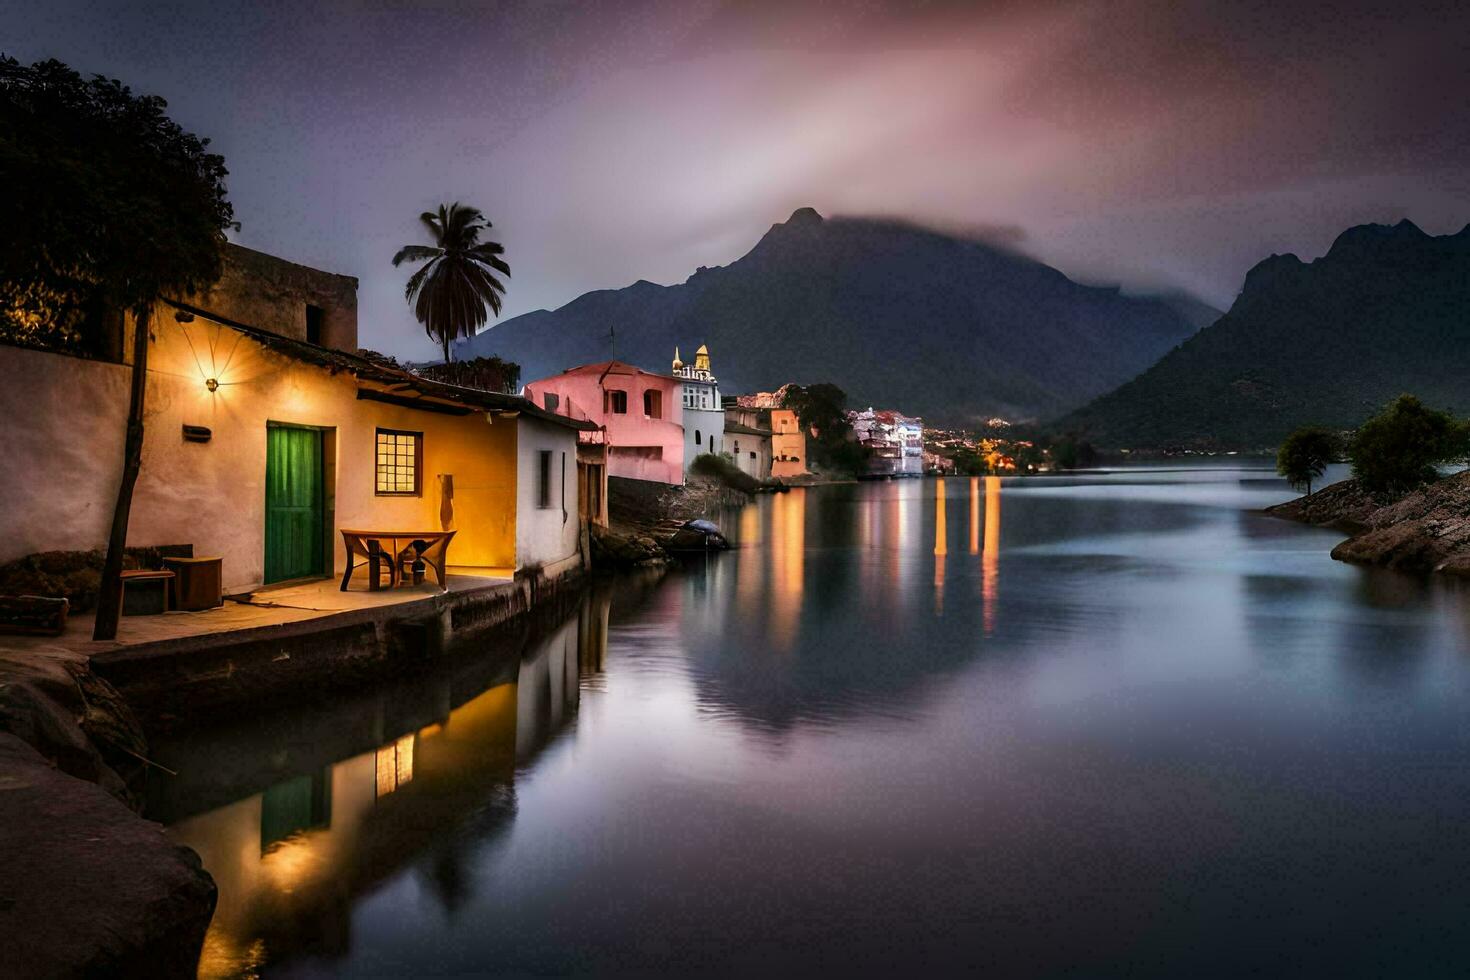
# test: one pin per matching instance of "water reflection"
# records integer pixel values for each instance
(990, 555)
(792, 759)
(788, 564)
(291, 859)
(941, 544)
(974, 515)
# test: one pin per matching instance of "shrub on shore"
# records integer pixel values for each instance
(723, 469)
(1403, 446)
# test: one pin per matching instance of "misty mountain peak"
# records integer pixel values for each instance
(891, 312)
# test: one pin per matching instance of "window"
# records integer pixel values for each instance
(737, 447)
(314, 316)
(615, 402)
(653, 404)
(752, 454)
(399, 459)
(696, 437)
(543, 480)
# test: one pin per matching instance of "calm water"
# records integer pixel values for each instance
(1107, 724)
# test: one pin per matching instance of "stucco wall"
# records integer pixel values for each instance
(270, 293)
(546, 535)
(65, 421)
(582, 390)
(710, 425)
(752, 453)
(788, 441)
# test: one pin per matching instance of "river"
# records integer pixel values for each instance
(1118, 722)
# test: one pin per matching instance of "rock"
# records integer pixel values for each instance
(1345, 504)
(1427, 530)
(615, 549)
(87, 888)
(75, 720)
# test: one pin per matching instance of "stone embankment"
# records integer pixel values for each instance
(1427, 530)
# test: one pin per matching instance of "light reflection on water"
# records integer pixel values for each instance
(1172, 738)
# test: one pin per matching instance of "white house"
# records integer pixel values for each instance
(704, 415)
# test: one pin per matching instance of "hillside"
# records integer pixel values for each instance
(1385, 311)
(897, 315)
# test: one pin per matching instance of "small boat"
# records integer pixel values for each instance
(691, 537)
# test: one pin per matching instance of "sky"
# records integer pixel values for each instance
(1154, 145)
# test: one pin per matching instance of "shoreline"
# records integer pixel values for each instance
(1423, 531)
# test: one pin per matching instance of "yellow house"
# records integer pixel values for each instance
(788, 444)
(267, 432)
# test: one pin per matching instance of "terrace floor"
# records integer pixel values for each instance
(267, 606)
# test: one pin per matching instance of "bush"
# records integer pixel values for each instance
(723, 469)
(1305, 454)
(1402, 446)
(72, 575)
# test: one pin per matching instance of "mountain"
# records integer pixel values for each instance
(897, 315)
(1385, 311)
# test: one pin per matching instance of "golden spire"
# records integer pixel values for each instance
(677, 363)
(701, 358)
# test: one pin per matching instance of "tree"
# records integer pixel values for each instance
(489, 373)
(1305, 455)
(822, 411)
(451, 292)
(1068, 453)
(1402, 446)
(105, 200)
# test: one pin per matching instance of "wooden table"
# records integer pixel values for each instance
(394, 547)
(197, 582)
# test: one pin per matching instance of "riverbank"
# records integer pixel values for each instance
(1426, 530)
(102, 891)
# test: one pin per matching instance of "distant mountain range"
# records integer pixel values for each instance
(899, 316)
(1385, 311)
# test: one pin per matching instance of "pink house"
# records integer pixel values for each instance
(639, 410)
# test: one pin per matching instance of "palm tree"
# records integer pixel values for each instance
(450, 293)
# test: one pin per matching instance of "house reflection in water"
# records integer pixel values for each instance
(974, 515)
(289, 860)
(941, 543)
(788, 573)
(990, 555)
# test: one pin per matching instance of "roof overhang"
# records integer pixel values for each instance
(393, 385)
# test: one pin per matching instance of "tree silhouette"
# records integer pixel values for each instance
(451, 292)
(107, 200)
(1305, 455)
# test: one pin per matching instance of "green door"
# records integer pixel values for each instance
(294, 536)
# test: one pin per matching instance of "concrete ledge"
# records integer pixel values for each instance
(180, 681)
